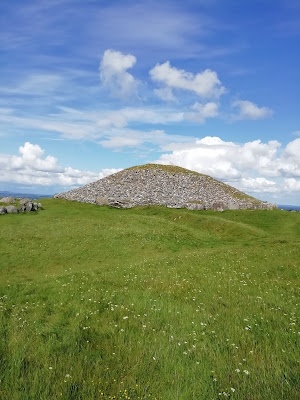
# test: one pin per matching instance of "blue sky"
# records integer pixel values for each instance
(90, 87)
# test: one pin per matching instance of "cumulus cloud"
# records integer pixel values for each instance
(292, 185)
(249, 110)
(30, 167)
(205, 84)
(257, 185)
(209, 155)
(114, 76)
(202, 111)
(289, 164)
(252, 166)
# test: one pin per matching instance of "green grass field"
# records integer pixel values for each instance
(149, 303)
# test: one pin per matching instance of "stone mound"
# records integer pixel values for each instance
(171, 186)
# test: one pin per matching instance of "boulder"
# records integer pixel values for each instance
(194, 206)
(7, 200)
(2, 210)
(24, 201)
(102, 201)
(123, 203)
(28, 206)
(219, 206)
(11, 209)
(34, 207)
(39, 205)
(233, 206)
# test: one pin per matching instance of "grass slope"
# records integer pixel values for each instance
(149, 303)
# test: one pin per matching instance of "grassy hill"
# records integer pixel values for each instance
(149, 303)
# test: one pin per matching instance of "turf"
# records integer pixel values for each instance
(149, 303)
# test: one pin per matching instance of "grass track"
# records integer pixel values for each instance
(149, 303)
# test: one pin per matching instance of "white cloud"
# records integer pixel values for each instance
(31, 168)
(36, 84)
(249, 110)
(74, 124)
(117, 139)
(290, 160)
(257, 185)
(205, 84)
(201, 112)
(113, 73)
(209, 156)
(130, 139)
(165, 94)
(292, 185)
(224, 160)
(248, 166)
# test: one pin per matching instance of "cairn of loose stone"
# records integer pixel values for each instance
(164, 185)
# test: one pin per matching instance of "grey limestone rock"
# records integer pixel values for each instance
(24, 207)
(219, 206)
(194, 206)
(11, 209)
(102, 201)
(122, 203)
(24, 201)
(28, 206)
(7, 200)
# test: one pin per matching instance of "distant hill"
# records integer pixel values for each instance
(21, 195)
(171, 186)
(288, 207)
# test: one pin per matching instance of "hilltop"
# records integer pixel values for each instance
(171, 186)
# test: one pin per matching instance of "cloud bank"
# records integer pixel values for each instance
(30, 167)
(254, 167)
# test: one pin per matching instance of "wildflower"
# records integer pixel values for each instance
(237, 370)
(125, 317)
(246, 372)
(232, 389)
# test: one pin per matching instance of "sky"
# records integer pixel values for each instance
(90, 87)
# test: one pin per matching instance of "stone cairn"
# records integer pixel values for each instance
(26, 205)
(170, 186)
